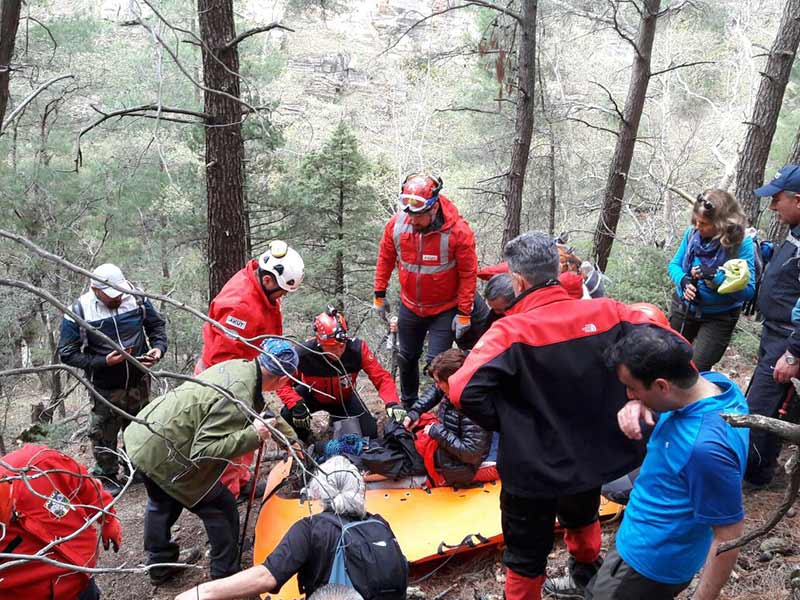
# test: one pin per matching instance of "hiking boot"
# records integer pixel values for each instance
(562, 587)
(244, 493)
(190, 556)
(573, 584)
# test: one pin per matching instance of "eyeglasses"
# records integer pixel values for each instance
(705, 202)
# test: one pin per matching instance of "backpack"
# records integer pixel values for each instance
(368, 558)
(762, 253)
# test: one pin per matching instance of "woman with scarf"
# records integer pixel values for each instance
(699, 312)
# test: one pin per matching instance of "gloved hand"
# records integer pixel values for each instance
(111, 532)
(396, 412)
(301, 416)
(461, 324)
(381, 306)
(707, 272)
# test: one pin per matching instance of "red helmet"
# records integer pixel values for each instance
(330, 327)
(419, 192)
(652, 311)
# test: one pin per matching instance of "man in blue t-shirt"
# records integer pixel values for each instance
(688, 497)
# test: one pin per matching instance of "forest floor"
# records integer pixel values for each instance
(475, 575)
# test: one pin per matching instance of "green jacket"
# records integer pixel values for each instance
(203, 427)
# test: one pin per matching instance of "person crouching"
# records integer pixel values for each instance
(461, 445)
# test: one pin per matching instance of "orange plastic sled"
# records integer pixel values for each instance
(429, 524)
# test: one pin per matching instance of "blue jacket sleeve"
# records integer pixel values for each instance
(675, 268)
(155, 327)
(70, 349)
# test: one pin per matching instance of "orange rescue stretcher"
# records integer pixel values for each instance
(457, 518)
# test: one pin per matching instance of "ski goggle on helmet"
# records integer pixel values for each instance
(419, 193)
(330, 327)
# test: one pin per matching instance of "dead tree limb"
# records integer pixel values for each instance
(21, 106)
(246, 34)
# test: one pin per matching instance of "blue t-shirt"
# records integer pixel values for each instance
(691, 479)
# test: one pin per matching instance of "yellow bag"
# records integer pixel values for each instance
(737, 274)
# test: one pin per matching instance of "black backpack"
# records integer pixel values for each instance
(368, 558)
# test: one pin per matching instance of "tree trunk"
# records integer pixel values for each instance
(9, 22)
(523, 128)
(227, 235)
(626, 139)
(339, 266)
(761, 127)
(551, 157)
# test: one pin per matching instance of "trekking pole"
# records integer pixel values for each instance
(250, 500)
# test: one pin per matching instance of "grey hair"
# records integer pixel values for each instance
(534, 256)
(339, 486)
(335, 591)
(500, 286)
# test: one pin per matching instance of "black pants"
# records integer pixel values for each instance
(709, 334)
(218, 512)
(528, 526)
(411, 332)
(617, 580)
(765, 397)
(351, 408)
(90, 592)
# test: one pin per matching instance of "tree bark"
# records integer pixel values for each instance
(626, 139)
(9, 22)
(339, 266)
(761, 127)
(523, 128)
(227, 232)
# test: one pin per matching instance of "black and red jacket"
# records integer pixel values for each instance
(323, 373)
(538, 376)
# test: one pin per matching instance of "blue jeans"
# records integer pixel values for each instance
(411, 332)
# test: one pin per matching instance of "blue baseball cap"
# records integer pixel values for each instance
(787, 179)
(278, 357)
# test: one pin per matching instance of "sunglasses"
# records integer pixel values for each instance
(706, 204)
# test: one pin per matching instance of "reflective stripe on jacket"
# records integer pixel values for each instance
(437, 269)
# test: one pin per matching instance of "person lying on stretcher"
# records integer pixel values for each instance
(452, 445)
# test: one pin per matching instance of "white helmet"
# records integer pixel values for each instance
(284, 264)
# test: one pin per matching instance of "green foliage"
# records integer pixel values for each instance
(334, 220)
(639, 274)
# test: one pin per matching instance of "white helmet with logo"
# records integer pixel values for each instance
(284, 264)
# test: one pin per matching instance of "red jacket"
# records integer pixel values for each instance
(321, 374)
(437, 269)
(243, 307)
(539, 377)
(37, 521)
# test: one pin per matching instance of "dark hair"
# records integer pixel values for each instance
(651, 353)
(447, 363)
(534, 256)
(500, 286)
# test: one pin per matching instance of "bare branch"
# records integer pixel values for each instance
(517, 17)
(683, 65)
(613, 102)
(243, 36)
(621, 31)
(15, 113)
(577, 120)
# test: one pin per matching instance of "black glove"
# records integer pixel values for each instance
(301, 416)
(413, 415)
(685, 281)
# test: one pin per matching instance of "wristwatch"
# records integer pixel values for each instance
(791, 359)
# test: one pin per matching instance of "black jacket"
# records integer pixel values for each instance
(538, 376)
(463, 444)
(779, 291)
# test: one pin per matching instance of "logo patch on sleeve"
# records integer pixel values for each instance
(57, 504)
(234, 322)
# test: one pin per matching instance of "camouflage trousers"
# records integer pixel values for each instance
(105, 424)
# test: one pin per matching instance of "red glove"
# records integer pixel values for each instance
(111, 532)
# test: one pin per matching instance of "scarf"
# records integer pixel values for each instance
(710, 254)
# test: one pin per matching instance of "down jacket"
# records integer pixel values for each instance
(463, 444)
